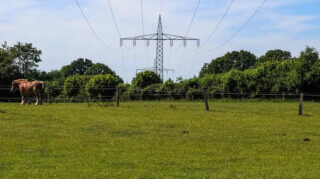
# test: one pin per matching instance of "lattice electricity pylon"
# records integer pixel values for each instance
(159, 37)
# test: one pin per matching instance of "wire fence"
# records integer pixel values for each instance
(57, 94)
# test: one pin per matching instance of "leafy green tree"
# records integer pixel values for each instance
(55, 81)
(74, 86)
(210, 81)
(313, 78)
(103, 86)
(8, 70)
(79, 66)
(37, 75)
(240, 60)
(273, 76)
(303, 69)
(26, 57)
(54, 75)
(275, 55)
(168, 89)
(234, 82)
(151, 92)
(169, 85)
(146, 78)
(99, 68)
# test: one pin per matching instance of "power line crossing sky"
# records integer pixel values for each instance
(59, 30)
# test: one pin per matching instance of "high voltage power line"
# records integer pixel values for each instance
(142, 21)
(188, 28)
(91, 27)
(192, 19)
(123, 63)
(219, 23)
(242, 27)
(114, 19)
(120, 35)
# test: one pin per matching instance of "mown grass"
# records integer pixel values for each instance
(160, 140)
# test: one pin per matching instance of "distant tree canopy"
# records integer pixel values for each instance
(79, 66)
(304, 72)
(240, 60)
(26, 58)
(146, 78)
(277, 73)
(272, 55)
(74, 86)
(99, 68)
(8, 69)
(103, 86)
(85, 67)
(20, 60)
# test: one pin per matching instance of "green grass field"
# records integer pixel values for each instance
(160, 140)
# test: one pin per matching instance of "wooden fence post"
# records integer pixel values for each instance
(301, 104)
(118, 97)
(48, 96)
(205, 99)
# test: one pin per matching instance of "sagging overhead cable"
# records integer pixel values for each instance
(193, 17)
(114, 19)
(91, 27)
(142, 19)
(219, 23)
(242, 27)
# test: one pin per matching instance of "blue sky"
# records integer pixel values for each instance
(58, 29)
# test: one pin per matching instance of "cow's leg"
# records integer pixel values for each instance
(37, 98)
(22, 100)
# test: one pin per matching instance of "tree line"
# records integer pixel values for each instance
(276, 71)
(237, 72)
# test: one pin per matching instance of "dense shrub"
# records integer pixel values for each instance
(240, 60)
(102, 86)
(74, 86)
(55, 88)
(151, 92)
(193, 94)
(146, 78)
(168, 90)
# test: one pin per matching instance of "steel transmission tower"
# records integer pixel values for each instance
(160, 37)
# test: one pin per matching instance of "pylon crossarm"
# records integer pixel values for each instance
(177, 37)
(140, 37)
(155, 37)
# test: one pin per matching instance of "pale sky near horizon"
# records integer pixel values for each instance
(57, 28)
